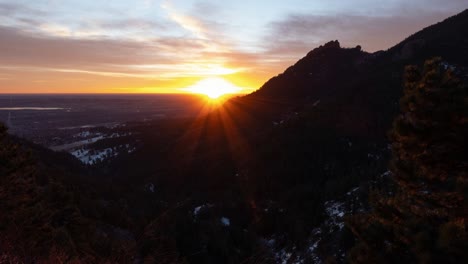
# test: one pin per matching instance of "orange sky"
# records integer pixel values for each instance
(165, 46)
(51, 81)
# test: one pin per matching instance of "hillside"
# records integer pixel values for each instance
(49, 211)
(268, 177)
(358, 90)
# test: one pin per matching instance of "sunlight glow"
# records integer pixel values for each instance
(213, 87)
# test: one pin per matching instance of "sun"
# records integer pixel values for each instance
(213, 87)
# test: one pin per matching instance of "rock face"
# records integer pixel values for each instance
(314, 75)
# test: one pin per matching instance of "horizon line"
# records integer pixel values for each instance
(118, 93)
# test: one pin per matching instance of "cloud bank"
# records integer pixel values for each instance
(167, 45)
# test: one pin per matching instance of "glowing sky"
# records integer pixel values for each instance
(73, 46)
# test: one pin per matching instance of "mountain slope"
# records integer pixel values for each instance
(307, 136)
(359, 90)
(447, 39)
(350, 96)
(220, 188)
(49, 209)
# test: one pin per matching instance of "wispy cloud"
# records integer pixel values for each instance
(14, 9)
(150, 43)
(158, 58)
(189, 23)
(301, 31)
(209, 32)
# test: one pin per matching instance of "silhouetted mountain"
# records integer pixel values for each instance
(264, 178)
(358, 91)
(315, 76)
(447, 39)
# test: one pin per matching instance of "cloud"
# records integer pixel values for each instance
(298, 33)
(56, 30)
(51, 50)
(189, 23)
(207, 9)
(23, 48)
(132, 23)
(201, 23)
(185, 41)
(158, 58)
(95, 23)
(106, 57)
(9, 9)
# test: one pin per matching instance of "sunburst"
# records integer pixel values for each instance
(214, 87)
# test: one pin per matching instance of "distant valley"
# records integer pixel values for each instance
(74, 123)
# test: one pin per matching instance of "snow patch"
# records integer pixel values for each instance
(225, 221)
(150, 187)
(92, 157)
(197, 209)
(373, 156)
(335, 211)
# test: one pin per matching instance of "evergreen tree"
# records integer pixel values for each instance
(3, 130)
(425, 220)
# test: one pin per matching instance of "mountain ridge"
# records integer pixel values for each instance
(249, 182)
(349, 80)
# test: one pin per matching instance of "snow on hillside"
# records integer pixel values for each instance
(225, 221)
(330, 230)
(81, 146)
(92, 157)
